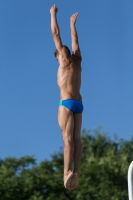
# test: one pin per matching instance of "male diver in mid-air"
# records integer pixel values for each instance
(70, 105)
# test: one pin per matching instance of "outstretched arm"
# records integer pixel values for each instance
(55, 29)
(74, 36)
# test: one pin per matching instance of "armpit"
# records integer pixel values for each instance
(77, 55)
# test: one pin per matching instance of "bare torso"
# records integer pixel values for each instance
(69, 78)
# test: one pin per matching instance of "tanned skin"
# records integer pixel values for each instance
(69, 82)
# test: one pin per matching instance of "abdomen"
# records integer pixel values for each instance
(69, 81)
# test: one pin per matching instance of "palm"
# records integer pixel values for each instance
(53, 9)
(74, 18)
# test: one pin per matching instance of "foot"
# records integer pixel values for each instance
(74, 181)
(67, 180)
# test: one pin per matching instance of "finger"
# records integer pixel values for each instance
(75, 13)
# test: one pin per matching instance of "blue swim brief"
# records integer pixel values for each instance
(73, 105)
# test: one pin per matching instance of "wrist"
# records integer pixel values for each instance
(53, 14)
(72, 25)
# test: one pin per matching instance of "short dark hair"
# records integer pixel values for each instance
(56, 51)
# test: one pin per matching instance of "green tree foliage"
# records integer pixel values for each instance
(102, 174)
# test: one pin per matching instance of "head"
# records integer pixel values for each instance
(56, 53)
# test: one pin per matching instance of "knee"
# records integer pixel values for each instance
(78, 143)
(68, 140)
(77, 139)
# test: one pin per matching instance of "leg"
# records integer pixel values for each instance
(77, 141)
(77, 149)
(66, 123)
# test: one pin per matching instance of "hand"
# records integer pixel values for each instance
(73, 18)
(53, 9)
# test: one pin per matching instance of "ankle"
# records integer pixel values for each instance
(67, 172)
(75, 171)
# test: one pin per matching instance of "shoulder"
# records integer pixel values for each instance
(77, 56)
(64, 51)
(65, 55)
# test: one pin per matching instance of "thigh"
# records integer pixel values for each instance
(66, 121)
(77, 125)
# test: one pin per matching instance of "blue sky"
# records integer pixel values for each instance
(29, 94)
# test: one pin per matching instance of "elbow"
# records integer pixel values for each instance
(55, 32)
